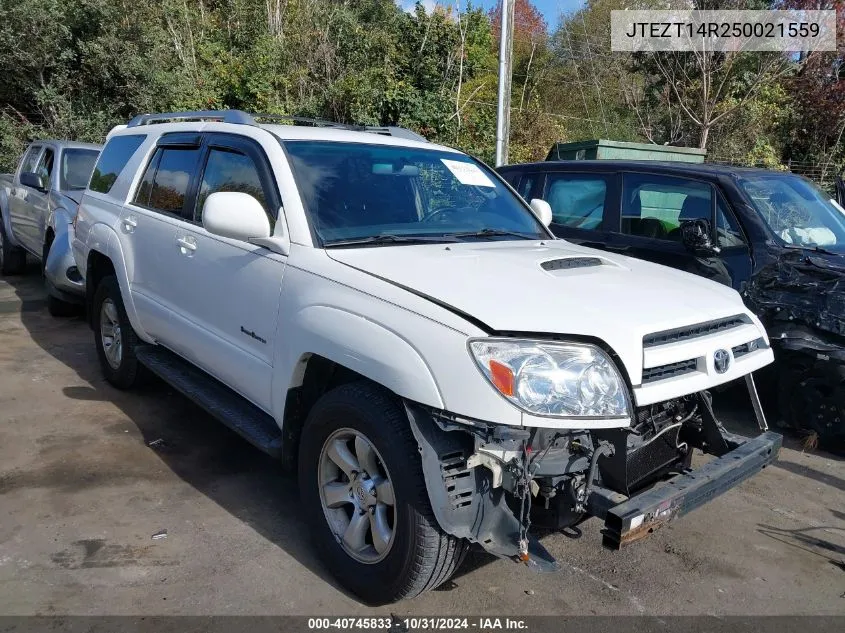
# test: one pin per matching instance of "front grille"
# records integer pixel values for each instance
(747, 348)
(694, 331)
(662, 372)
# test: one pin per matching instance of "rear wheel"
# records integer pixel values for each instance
(113, 335)
(12, 258)
(364, 494)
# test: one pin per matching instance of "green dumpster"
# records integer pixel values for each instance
(619, 150)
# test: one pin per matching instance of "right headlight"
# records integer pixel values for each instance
(567, 380)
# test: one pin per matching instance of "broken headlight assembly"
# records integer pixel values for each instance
(555, 379)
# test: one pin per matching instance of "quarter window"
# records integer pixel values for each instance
(166, 181)
(113, 159)
(228, 170)
(577, 200)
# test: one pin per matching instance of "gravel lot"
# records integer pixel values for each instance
(89, 474)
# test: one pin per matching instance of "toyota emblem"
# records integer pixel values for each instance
(721, 360)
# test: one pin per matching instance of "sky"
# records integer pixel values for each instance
(551, 9)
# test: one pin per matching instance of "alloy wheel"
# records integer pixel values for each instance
(110, 334)
(357, 497)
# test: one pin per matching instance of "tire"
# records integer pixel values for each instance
(12, 258)
(419, 556)
(119, 364)
(813, 401)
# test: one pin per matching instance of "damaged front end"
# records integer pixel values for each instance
(800, 297)
(490, 483)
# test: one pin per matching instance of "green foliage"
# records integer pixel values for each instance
(75, 68)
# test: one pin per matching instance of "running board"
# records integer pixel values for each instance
(251, 423)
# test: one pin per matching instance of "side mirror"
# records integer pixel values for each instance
(696, 235)
(235, 215)
(30, 179)
(542, 210)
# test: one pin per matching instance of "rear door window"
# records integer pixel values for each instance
(167, 179)
(577, 200)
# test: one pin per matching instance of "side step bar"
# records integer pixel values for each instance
(251, 423)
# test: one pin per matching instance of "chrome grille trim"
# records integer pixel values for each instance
(695, 331)
(653, 374)
(747, 348)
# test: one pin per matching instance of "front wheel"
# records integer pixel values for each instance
(363, 492)
(813, 399)
(113, 335)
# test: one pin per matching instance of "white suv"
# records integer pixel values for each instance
(390, 316)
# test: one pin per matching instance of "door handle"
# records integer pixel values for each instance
(187, 244)
(130, 222)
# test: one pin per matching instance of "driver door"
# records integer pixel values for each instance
(653, 206)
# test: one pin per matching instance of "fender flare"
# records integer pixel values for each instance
(359, 344)
(103, 240)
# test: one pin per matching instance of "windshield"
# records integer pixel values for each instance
(77, 165)
(796, 211)
(356, 193)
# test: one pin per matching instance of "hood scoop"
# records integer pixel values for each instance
(567, 263)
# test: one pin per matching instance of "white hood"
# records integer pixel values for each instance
(504, 285)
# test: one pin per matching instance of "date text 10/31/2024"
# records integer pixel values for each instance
(417, 624)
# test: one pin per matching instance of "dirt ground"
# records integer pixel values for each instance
(89, 474)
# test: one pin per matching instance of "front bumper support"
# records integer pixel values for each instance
(640, 515)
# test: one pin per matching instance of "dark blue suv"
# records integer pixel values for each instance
(773, 236)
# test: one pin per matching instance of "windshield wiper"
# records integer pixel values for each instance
(812, 247)
(493, 233)
(389, 238)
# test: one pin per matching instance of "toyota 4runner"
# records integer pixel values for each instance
(389, 316)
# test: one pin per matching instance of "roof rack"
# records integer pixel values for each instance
(243, 118)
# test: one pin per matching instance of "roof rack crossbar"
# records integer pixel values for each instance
(302, 120)
(243, 118)
(226, 116)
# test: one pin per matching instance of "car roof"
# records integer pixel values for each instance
(282, 132)
(311, 133)
(666, 167)
(67, 144)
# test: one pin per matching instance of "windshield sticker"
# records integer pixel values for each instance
(467, 173)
